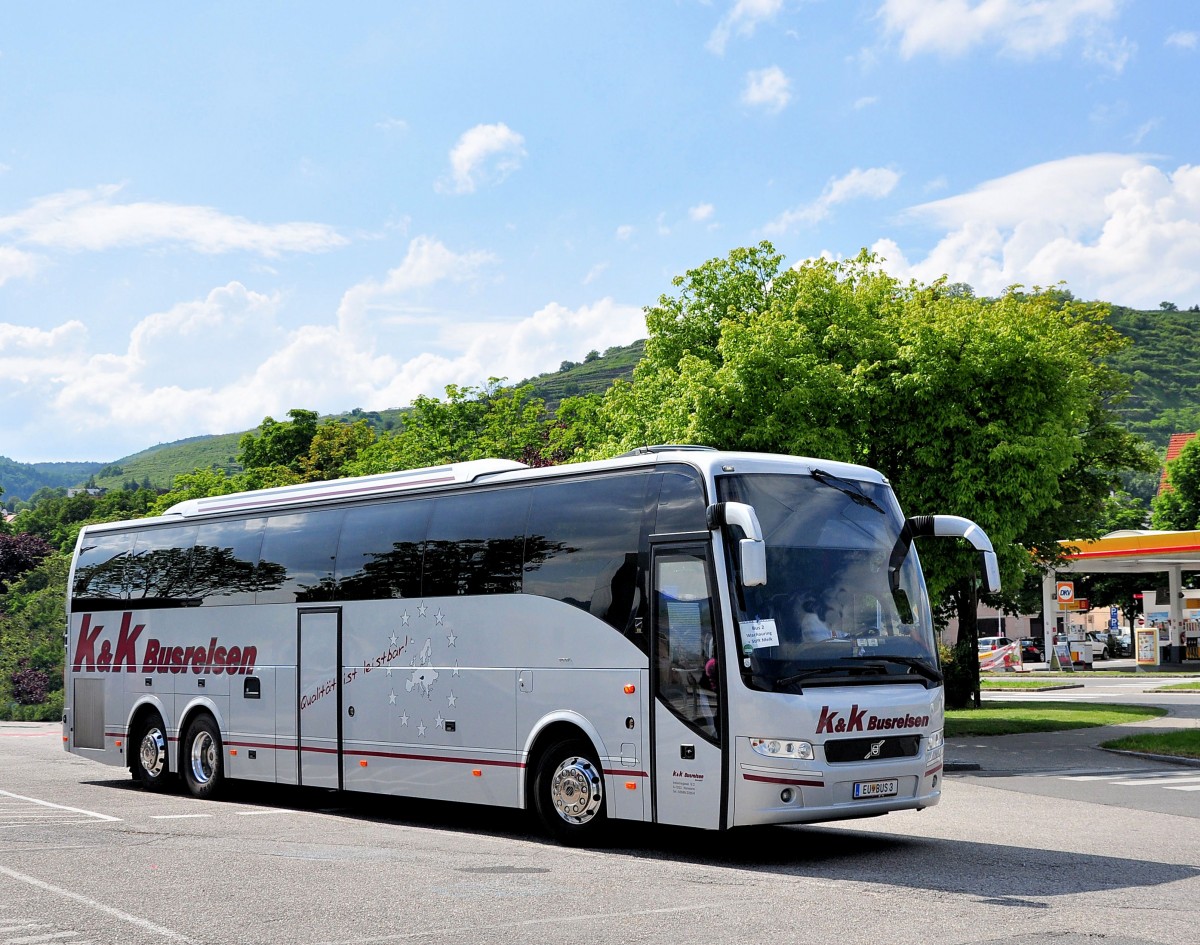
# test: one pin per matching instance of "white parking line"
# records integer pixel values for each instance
(177, 816)
(99, 906)
(74, 810)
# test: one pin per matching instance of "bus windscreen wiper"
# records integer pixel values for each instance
(822, 671)
(853, 491)
(921, 666)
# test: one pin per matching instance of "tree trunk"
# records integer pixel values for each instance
(966, 603)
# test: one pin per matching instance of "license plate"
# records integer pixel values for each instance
(865, 789)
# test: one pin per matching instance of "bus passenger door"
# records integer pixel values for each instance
(687, 691)
(320, 698)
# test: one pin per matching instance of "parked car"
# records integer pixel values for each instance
(1032, 650)
(1100, 650)
(1120, 644)
(987, 644)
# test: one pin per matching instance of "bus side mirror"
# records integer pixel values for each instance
(752, 550)
(754, 562)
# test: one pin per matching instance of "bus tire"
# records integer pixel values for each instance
(201, 760)
(568, 792)
(148, 755)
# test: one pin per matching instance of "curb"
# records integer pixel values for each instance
(1169, 759)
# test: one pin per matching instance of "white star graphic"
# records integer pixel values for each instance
(421, 730)
(451, 699)
(403, 718)
(404, 618)
(393, 638)
(392, 697)
(450, 638)
(439, 721)
(422, 610)
(456, 672)
(438, 618)
(388, 671)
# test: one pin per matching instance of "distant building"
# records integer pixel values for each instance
(80, 490)
(1174, 448)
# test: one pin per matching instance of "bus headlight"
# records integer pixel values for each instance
(933, 742)
(782, 748)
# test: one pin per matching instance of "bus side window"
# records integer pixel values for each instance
(304, 545)
(101, 580)
(160, 571)
(476, 542)
(582, 543)
(225, 562)
(379, 555)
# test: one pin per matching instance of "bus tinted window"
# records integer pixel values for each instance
(304, 546)
(681, 506)
(100, 573)
(582, 544)
(160, 571)
(476, 543)
(379, 556)
(225, 566)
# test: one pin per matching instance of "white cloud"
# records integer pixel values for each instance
(768, 89)
(222, 362)
(1022, 28)
(93, 220)
(1184, 39)
(392, 125)
(865, 102)
(15, 264)
(595, 273)
(427, 262)
(701, 212)
(873, 183)
(485, 154)
(1112, 226)
(743, 18)
(624, 231)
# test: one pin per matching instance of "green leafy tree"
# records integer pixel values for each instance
(334, 447)
(493, 421)
(279, 443)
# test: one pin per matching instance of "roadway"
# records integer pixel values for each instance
(87, 858)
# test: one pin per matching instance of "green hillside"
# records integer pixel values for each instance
(21, 480)
(1163, 366)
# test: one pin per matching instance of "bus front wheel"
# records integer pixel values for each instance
(200, 758)
(149, 753)
(569, 792)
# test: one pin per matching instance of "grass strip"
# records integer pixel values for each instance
(1039, 683)
(1014, 718)
(1174, 686)
(1184, 743)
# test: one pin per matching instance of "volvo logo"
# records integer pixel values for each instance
(876, 748)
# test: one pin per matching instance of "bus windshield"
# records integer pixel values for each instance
(830, 612)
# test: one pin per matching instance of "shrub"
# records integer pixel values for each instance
(960, 668)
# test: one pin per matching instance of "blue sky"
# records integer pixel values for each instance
(211, 213)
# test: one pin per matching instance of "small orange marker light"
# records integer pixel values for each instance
(118, 743)
(65, 738)
(363, 763)
(475, 772)
(631, 785)
(233, 751)
(630, 689)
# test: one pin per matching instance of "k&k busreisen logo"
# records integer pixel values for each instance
(857, 720)
(93, 654)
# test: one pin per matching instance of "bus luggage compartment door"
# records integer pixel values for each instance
(320, 699)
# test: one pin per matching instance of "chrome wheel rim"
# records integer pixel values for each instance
(577, 790)
(204, 758)
(152, 753)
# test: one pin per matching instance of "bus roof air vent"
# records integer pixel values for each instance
(669, 448)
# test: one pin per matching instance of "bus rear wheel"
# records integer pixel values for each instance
(568, 787)
(149, 753)
(201, 759)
